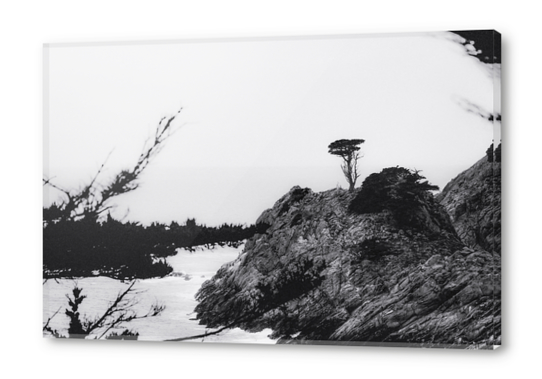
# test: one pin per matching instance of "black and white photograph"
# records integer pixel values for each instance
(316, 190)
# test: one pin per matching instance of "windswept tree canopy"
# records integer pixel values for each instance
(345, 147)
(348, 150)
(399, 190)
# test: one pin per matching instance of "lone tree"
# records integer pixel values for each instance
(348, 150)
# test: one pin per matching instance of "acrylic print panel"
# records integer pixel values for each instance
(305, 190)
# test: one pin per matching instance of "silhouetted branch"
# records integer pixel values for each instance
(120, 311)
(47, 328)
(93, 200)
(478, 110)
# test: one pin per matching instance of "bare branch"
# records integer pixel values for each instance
(112, 309)
(48, 329)
(477, 110)
(120, 311)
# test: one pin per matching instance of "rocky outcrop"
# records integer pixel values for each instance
(473, 201)
(322, 274)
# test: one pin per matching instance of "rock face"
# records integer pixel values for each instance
(321, 274)
(473, 201)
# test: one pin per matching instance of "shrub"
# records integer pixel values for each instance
(125, 335)
(396, 189)
(489, 153)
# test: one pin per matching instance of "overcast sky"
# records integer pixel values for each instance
(258, 116)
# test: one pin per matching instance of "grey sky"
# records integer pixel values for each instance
(258, 116)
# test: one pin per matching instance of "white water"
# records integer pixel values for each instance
(175, 292)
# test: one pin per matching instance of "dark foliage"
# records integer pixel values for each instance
(75, 329)
(490, 153)
(493, 155)
(498, 153)
(345, 147)
(259, 228)
(77, 243)
(396, 189)
(127, 250)
(80, 240)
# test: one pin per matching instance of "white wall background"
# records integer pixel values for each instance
(25, 26)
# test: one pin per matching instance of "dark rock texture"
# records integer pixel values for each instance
(473, 201)
(322, 274)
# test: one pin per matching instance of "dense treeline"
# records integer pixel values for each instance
(80, 248)
(79, 240)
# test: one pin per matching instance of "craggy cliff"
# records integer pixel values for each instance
(473, 201)
(324, 274)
